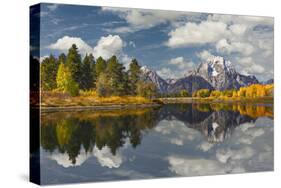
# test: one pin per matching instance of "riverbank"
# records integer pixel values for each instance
(107, 107)
(57, 101)
(180, 100)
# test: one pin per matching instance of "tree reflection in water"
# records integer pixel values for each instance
(68, 132)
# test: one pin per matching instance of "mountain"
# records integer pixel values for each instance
(152, 76)
(222, 75)
(215, 73)
(171, 80)
(190, 83)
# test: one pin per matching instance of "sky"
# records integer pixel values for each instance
(170, 42)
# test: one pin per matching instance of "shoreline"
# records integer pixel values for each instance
(187, 100)
(46, 109)
(184, 100)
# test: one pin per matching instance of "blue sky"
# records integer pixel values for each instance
(169, 42)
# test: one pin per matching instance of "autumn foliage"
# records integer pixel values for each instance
(252, 91)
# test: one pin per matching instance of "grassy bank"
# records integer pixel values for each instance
(269, 100)
(90, 98)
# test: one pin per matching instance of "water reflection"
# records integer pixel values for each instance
(207, 139)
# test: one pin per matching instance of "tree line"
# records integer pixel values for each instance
(70, 73)
(251, 91)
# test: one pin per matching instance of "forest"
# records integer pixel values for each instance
(73, 74)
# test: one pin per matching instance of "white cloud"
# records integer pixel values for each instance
(230, 36)
(224, 46)
(64, 43)
(185, 166)
(223, 155)
(177, 141)
(180, 68)
(181, 63)
(63, 158)
(205, 146)
(177, 132)
(197, 34)
(238, 29)
(131, 43)
(125, 60)
(108, 46)
(106, 158)
(249, 21)
(138, 19)
(204, 55)
(165, 73)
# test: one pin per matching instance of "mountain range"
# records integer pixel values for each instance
(215, 73)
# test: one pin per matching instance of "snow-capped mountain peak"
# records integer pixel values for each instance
(218, 64)
(215, 73)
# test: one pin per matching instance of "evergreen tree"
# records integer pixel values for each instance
(48, 70)
(115, 71)
(100, 66)
(87, 77)
(62, 58)
(134, 76)
(73, 61)
(65, 82)
(93, 70)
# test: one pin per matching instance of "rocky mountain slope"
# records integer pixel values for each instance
(215, 73)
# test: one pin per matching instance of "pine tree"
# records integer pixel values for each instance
(115, 72)
(100, 66)
(48, 71)
(62, 58)
(134, 76)
(93, 69)
(73, 61)
(87, 77)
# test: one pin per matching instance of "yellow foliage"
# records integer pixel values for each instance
(252, 91)
(88, 98)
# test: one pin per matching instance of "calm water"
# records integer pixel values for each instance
(171, 141)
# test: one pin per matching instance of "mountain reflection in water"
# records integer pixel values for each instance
(70, 138)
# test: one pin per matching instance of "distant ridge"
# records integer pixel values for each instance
(215, 73)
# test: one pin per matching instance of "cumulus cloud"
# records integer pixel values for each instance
(108, 46)
(230, 36)
(63, 159)
(197, 33)
(204, 55)
(238, 29)
(177, 132)
(205, 146)
(235, 156)
(181, 63)
(106, 158)
(138, 19)
(179, 66)
(225, 46)
(194, 167)
(64, 43)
